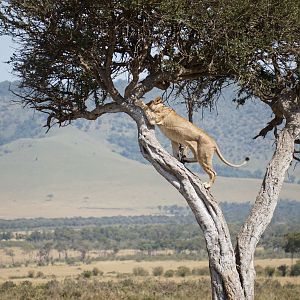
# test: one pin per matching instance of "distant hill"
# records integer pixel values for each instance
(232, 127)
(69, 173)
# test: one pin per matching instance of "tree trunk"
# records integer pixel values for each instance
(265, 204)
(225, 278)
(232, 272)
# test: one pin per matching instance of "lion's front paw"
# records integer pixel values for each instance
(206, 185)
(139, 103)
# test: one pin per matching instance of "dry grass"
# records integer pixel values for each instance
(111, 268)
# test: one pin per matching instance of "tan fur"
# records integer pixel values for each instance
(181, 131)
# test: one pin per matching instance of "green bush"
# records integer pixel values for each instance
(282, 270)
(295, 269)
(139, 271)
(7, 285)
(183, 271)
(169, 273)
(71, 261)
(157, 271)
(87, 274)
(269, 271)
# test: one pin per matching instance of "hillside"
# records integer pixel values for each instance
(69, 173)
(95, 168)
(232, 127)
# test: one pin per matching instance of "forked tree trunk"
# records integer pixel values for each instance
(225, 278)
(265, 204)
(232, 272)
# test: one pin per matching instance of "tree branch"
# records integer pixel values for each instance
(271, 125)
(265, 204)
(88, 115)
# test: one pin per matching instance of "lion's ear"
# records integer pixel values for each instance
(158, 100)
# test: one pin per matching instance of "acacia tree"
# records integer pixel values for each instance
(72, 50)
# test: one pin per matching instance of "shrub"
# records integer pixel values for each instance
(201, 271)
(282, 270)
(40, 274)
(7, 285)
(269, 271)
(71, 261)
(169, 273)
(183, 271)
(157, 271)
(295, 269)
(86, 274)
(97, 272)
(139, 271)
(260, 271)
(31, 274)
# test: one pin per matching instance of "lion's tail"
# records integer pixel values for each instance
(228, 163)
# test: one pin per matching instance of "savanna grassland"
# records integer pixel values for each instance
(161, 256)
(92, 283)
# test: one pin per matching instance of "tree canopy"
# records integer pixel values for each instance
(71, 51)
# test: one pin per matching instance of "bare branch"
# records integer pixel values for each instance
(271, 125)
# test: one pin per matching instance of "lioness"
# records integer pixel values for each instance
(181, 131)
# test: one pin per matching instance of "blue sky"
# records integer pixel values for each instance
(6, 50)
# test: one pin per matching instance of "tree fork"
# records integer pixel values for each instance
(266, 201)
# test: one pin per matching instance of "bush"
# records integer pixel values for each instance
(157, 271)
(269, 271)
(169, 273)
(139, 271)
(201, 271)
(70, 261)
(86, 274)
(97, 272)
(295, 269)
(183, 271)
(260, 271)
(7, 285)
(31, 274)
(40, 274)
(282, 270)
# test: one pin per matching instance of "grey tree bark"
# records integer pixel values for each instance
(232, 271)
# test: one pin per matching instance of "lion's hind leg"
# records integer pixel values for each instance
(205, 160)
(175, 148)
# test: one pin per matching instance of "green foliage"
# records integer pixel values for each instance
(87, 274)
(295, 269)
(158, 271)
(269, 271)
(183, 271)
(292, 242)
(169, 273)
(283, 270)
(177, 231)
(140, 271)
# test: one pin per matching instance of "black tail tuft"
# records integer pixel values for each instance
(247, 159)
